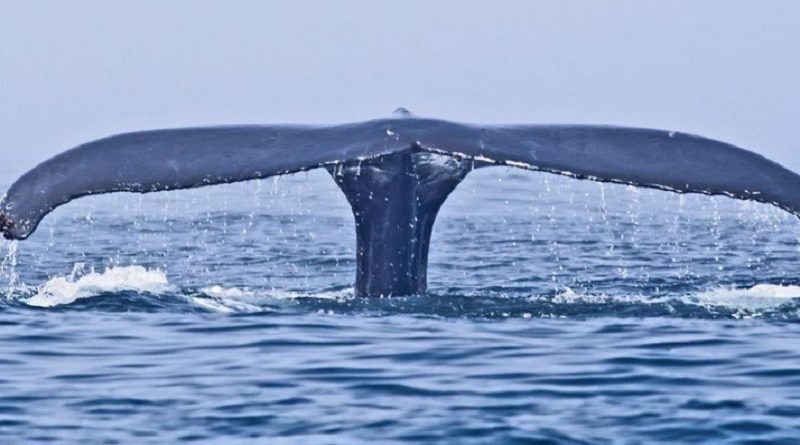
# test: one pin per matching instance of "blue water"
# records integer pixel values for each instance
(559, 311)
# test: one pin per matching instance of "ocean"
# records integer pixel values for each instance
(558, 311)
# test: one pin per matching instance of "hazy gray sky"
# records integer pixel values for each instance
(78, 70)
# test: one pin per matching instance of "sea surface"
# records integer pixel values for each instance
(559, 311)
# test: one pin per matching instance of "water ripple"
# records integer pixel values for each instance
(573, 314)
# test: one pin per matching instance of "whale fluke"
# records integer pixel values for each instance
(665, 160)
(151, 161)
(410, 163)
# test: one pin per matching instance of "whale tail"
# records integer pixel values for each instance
(395, 200)
(395, 173)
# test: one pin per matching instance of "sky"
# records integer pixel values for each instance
(75, 71)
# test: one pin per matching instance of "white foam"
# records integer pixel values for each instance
(569, 296)
(752, 301)
(746, 302)
(228, 300)
(242, 299)
(64, 290)
(758, 297)
(226, 306)
(245, 293)
(67, 289)
(217, 291)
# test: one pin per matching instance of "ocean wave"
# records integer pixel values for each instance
(744, 302)
(758, 297)
(63, 290)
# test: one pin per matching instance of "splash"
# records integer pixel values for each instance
(757, 298)
(757, 301)
(218, 291)
(227, 300)
(8, 269)
(752, 302)
(65, 290)
(243, 299)
(569, 296)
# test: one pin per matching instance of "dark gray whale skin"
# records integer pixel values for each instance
(395, 173)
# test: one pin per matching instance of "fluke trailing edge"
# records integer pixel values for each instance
(395, 172)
